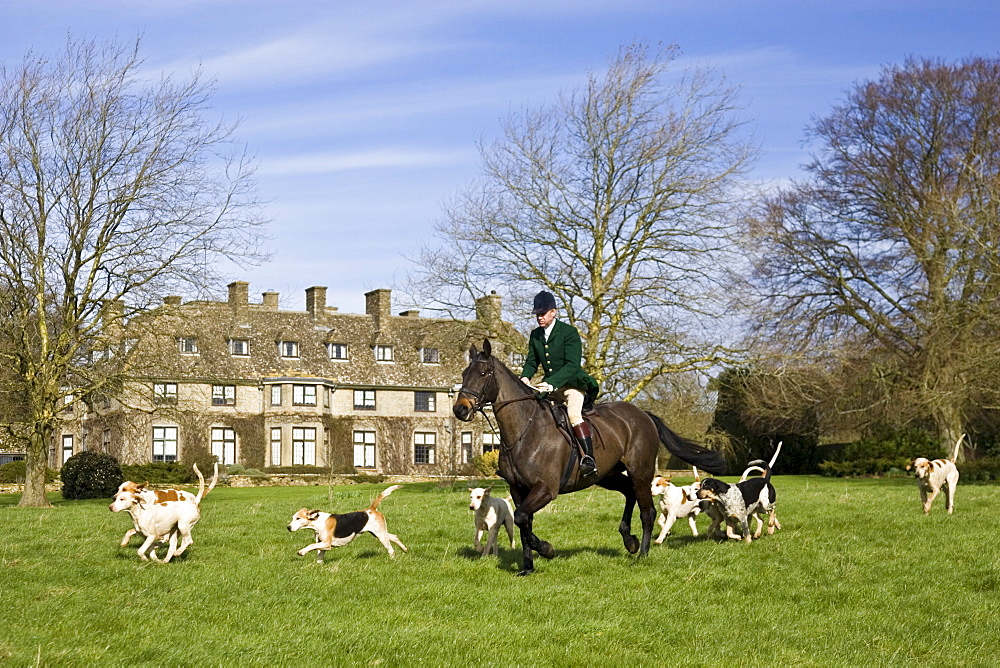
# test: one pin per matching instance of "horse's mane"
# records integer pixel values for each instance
(498, 364)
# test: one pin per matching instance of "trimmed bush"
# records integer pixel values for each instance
(298, 470)
(981, 470)
(91, 475)
(14, 472)
(164, 473)
(486, 464)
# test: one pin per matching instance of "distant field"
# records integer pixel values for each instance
(858, 576)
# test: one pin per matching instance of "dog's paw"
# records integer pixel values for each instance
(301, 553)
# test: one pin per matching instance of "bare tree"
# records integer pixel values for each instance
(618, 199)
(886, 261)
(113, 190)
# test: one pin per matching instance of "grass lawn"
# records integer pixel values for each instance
(857, 576)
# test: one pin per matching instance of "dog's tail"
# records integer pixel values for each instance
(954, 454)
(774, 457)
(202, 492)
(697, 478)
(764, 466)
(697, 455)
(386, 492)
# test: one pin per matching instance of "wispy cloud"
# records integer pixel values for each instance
(335, 161)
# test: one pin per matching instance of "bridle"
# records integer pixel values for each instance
(492, 384)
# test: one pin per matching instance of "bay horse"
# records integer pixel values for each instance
(535, 453)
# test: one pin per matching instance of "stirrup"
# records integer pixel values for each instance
(588, 466)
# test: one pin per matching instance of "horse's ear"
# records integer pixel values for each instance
(487, 348)
(473, 352)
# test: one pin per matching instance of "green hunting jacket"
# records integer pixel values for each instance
(559, 358)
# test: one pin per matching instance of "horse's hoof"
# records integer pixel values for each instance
(525, 572)
(545, 550)
(631, 544)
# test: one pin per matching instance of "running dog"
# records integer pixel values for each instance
(490, 514)
(334, 530)
(163, 521)
(934, 475)
(676, 503)
(153, 496)
(737, 503)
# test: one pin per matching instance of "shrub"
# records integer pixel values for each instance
(298, 470)
(163, 473)
(486, 464)
(91, 475)
(253, 472)
(985, 469)
(14, 472)
(235, 469)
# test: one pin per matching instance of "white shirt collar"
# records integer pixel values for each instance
(548, 330)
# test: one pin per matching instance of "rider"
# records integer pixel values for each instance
(556, 347)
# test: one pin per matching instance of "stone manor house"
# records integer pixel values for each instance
(263, 387)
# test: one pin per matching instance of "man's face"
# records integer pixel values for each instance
(545, 319)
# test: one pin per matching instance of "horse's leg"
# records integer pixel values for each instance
(527, 506)
(621, 484)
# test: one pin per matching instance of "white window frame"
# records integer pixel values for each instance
(288, 349)
(466, 440)
(303, 446)
(303, 395)
(383, 354)
(365, 400)
(491, 441)
(223, 395)
(67, 446)
(364, 449)
(239, 347)
(276, 394)
(431, 398)
(275, 446)
(165, 441)
(164, 393)
(224, 445)
(430, 356)
(338, 348)
(187, 345)
(427, 442)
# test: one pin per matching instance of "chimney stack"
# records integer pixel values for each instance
(270, 300)
(239, 293)
(378, 305)
(316, 300)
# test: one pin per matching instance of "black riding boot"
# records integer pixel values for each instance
(587, 465)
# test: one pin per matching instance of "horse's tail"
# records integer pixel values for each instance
(692, 453)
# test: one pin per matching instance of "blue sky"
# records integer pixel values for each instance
(364, 116)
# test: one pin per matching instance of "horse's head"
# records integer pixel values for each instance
(479, 383)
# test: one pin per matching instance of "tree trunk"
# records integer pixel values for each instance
(950, 429)
(36, 461)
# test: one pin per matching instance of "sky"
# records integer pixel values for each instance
(365, 117)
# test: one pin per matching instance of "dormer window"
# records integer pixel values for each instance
(288, 349)
(337, 351)
(239, 347)
(188, 345)
(430, 356)
(383, 353)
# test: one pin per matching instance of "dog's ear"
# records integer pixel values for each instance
(489, 489)
(143, 485)
(312, 514)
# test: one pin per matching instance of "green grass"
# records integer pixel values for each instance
(857, 576)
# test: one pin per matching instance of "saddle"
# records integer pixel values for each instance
(561, 416)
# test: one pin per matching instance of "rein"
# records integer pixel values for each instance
(481, 401)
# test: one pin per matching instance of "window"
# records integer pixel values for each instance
(337, 351)
(467, 454)
(164, 444)
(364, 449)
(68, 403)
(383, 353)
(188, 345)
(164, 393)
(304, 446)
(224, 444)
(423, 447)
(67, 452)
(430, 356)
(275, 446)
(304, 395)
(517, 359)
(288, 348)
(223, 395)
(364, 400)
(424, 401)
(239, 347)
(491, 441)
(276, 395)
(106, 440)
